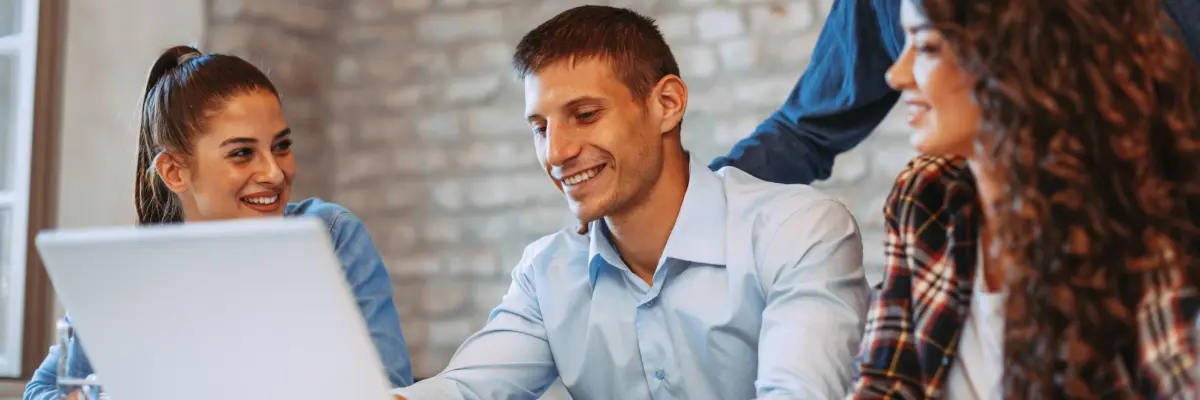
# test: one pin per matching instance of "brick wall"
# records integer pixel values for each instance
(293, 41)
(408, 115)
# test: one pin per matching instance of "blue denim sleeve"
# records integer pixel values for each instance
(43, 385)
(1186, 15)
(368, 278)
(839, 100)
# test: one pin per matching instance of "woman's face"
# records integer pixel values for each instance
(936, 89)
(241, 166)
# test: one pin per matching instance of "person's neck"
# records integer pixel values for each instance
(640, 233)
(985, 186)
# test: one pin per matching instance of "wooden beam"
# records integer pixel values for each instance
(43, 198)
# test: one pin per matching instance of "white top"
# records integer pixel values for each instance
(979, 365)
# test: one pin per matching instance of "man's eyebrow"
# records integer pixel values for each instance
(530, 116)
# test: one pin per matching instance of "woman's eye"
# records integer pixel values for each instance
(242, 152)
(283, 147)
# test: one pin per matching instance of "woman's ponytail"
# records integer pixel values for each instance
(154, 201)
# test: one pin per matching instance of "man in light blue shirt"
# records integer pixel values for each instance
(681, 283)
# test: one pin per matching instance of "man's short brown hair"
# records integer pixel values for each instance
(632, 43)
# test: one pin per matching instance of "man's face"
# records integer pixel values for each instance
(601, 146)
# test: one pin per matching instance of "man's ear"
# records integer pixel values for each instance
(173, 172)
(671, 95)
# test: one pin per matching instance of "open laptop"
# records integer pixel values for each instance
(245, 309)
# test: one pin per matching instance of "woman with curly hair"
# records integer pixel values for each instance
(1071, 127)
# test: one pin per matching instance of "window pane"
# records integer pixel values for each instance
(8, 93)
(10, 17)
(6, 239)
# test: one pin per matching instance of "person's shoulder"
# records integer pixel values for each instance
(931, 183)
(940, 171)
(770, 203)
(780, 225)
(565, 245)
(335, 216)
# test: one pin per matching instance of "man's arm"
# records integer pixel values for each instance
(508, 359)
(839, 100)
(1180, 12)
(816, 305)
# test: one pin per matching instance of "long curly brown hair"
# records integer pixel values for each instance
(1090, 131)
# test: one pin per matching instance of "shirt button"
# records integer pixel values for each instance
(650, 303)
(660, 375)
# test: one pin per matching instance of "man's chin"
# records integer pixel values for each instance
(585, 216)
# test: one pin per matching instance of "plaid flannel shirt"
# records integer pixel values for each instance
(912, 330)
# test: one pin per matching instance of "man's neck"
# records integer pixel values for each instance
(640, 234)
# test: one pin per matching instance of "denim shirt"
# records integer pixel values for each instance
(365, 273)
(843, 96)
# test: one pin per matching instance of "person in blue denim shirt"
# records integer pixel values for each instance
(843, 96)
(214, 145)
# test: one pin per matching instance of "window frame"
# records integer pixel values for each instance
(23, 46)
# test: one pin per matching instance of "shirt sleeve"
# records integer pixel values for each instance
(508, 359)
(839, 100)
(43, 385)
(927, 197)
(372, 287)
(816, 305)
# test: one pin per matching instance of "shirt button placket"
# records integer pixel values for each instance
(651, 344)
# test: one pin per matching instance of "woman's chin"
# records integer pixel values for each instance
(933, 145)
(920, 141)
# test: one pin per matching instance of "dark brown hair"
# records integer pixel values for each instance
(632, 43)
(1090, 128)
(183, 90)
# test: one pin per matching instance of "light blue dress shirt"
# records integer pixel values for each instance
(760, 293)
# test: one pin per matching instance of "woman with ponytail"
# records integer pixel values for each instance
(214, 145)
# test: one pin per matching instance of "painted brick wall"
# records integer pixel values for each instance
(408, 115)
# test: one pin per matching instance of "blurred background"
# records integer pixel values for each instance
(405, 111)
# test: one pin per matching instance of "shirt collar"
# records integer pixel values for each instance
(699, 232)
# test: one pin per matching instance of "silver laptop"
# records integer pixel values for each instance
(246, 309)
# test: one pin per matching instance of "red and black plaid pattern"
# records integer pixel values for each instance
(922, 303)
(1167, 329)
(932, 224)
